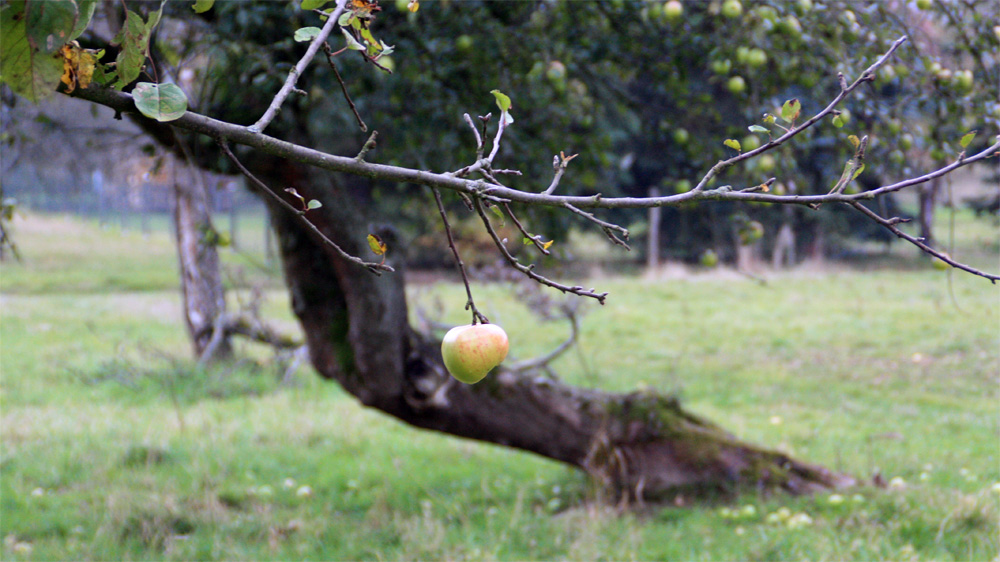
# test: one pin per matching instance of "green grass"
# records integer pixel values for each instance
(115, 446)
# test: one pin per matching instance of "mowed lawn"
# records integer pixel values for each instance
(115, 446)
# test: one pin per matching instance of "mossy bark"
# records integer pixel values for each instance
(637, 445)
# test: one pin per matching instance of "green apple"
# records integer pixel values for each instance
(750, 142)
(470, 351)
(465, 43)
(722, 66)
(963, 80)
(682, 186)
(789, 26)
(736, 85)
(709, 258)
(766, 163)
(767, 13)
(673, 10)
(681, 136)
(906, 141)
(732, 8)
(742, 54)
(924, 4)
(756, 57)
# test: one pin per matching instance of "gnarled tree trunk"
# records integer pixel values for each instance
(201, 279)
(640, 445)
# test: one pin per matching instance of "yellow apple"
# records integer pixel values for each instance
(471, 351)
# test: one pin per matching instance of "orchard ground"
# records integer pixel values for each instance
(115, 446)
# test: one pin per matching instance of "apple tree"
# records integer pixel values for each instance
(729, 105)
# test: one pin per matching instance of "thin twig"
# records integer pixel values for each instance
(470, 304)
(496, 140)
(300, 67)
(529, 269)
(329, 59)
(534, 238)
(479, 139)
(891, 225)
(375, 268)
(559, 164)
(365, 148)
(608, 228)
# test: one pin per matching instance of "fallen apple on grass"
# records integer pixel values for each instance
(470, 351)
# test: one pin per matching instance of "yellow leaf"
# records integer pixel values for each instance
(376, 244)
(546, 245)
(413, 6)
(78, 66)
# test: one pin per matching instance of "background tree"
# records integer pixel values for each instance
(356, 323)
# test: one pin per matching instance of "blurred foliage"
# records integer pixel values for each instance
(645, 95)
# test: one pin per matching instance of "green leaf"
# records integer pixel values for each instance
(134, 41)
(769, 118)
(733, 144)
(387, 49)
(790, 110)
(306, 34)
(838, 121)
(857, 172)
(352, 43)
(313, 4)
(526, 241)
(366, 34)
(49, 23)
(758, 129)
(28, 72)
(967, 139)
(163, 102)
(314, 204)
(855, 141)
(345, 19)
(496, 211)
(154, 20)
(86, 13)
(376, 244)
(202, 6)
(503, 101)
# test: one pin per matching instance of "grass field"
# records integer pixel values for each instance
(114, 446)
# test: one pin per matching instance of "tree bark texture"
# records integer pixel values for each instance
(201, 280)
(639, 445)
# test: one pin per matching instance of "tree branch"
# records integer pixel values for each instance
(529, 269)
(300, 67)
(191, 121)
(492, 190)
(375, 268)
(329, 59)
(890, 224)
